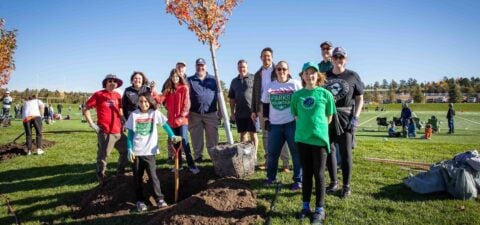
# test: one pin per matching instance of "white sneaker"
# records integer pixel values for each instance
(141, 206)
(29, 152)
(161, 204)
(194, 170)
(39, 151)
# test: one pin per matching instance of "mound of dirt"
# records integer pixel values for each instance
(226, 201)
(12, 150)
(202, 200)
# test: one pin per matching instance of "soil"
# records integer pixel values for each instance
(202, 200)
(12, 150)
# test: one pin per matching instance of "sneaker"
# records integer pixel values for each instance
(285, 169)
(296, 186)
(332, 188)
(262, 167)
(304, 214)
(318, 218)
(195, 170)
(179, 169)
(346, 192)
(161, 204)
(141, 207)
(268, 182)
(198, 160)
(39, 151)
(29, 152)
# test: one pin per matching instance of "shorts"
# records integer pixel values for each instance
(245, 125)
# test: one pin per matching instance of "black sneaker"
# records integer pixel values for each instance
(346, 192)
(332, 188)
(304, 214)
(318, 218)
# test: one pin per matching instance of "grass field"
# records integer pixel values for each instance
(40, 187)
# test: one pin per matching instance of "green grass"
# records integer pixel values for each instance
(39, 187)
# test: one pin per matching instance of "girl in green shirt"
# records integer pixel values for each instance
(313, 107)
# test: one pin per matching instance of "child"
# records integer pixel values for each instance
(392, 132)
(412, 128)
(143, 145)
(313, 107)
(428, 131)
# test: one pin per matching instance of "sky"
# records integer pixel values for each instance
(70, 45)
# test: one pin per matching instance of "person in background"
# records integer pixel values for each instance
(280, 123)
(450, 118)
(313, 107)
(347, 89)
(176, 98)
(108, 104)
(405, 116)
(7, 101)
(240, 95)
(326, 63)
(428, 131)
(412, 128)
(32, 112)
(203, 116)
(265, 75)
(143, 146)
(59, 108)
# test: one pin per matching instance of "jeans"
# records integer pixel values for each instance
(277, 136)
(451, 126)
(183, 132)
(37, 124)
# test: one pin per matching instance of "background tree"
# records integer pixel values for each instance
(207, 19)
(454, 92)
(8, 44)
(417, 94)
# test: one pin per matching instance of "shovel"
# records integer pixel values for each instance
(177, 178)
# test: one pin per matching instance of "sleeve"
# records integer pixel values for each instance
(293, 104)
(160, 119)
(92, 101)
(358, 89)
(330, 108)
(129, 123)
(255, 94)
(231, 92)
(130, 135)
(186, 101)
(40, 104)
(124, 100)
(168, 129)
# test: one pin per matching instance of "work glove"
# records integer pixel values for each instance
(95, 128)
(176, 139)
(131, 155)
(352, 124)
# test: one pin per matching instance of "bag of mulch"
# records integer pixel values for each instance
(474, 162)
(459, 181)
(427, 182)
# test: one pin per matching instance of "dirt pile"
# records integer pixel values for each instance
(202, 200)
(12, 150)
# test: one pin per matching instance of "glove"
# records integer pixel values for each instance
(131, 155)
(95, 128)
(353, 124)
(176, 139)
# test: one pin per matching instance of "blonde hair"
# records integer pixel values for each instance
(321, 78)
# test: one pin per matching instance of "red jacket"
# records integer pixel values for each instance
(178, 106)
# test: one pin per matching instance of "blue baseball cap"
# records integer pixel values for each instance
(310, 65)
(339, 51)
(200, 61)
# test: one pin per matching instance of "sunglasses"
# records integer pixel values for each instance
(282, 69)
(338, 57)
(111, 81)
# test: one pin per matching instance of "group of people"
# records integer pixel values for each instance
(315, 115)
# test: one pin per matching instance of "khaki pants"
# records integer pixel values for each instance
(284, 155)
(198, 124)
(106, 143)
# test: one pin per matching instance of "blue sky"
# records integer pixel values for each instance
(72, 44)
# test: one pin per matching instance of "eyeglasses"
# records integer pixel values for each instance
(282, 69)
(112, 81)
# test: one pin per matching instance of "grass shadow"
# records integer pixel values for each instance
(401, 193)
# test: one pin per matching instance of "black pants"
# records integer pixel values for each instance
(345, 147)
(332, 163)
(37, 124)
(313, 159)
(141, 164)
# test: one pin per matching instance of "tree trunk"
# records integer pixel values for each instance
(221, 99)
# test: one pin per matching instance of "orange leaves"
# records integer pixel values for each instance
(206, 18)
(8, 43)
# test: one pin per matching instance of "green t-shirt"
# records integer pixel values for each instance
(325, 66)
(312, 108)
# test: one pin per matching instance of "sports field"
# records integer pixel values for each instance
(41, 188)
